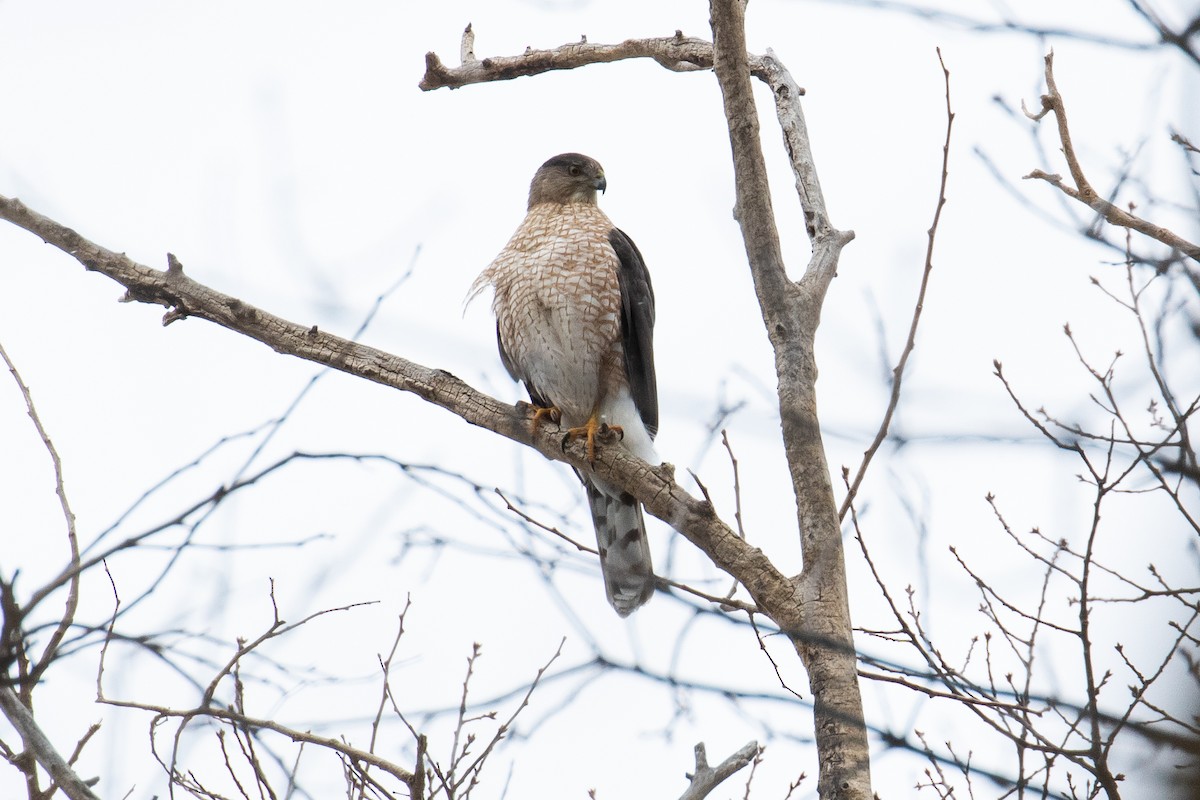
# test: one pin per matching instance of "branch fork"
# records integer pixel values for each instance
(1052, 103)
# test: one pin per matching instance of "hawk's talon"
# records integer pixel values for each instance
(592, 430)
(544, 412)
(604, 430)
(617, 429)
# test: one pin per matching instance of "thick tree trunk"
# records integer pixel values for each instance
(791, 312)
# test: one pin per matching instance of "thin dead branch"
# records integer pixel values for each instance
(70, 575)
(911, 343)
(677, 53)
(229, 715)
(1052, 103)
(705, 778)
(42, 750)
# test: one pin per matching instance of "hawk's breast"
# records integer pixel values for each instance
(558, 305)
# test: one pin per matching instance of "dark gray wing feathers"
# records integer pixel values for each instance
(637, 327)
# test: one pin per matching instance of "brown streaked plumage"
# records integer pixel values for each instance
(575, 323)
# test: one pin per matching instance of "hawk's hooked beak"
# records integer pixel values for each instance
(600, 184)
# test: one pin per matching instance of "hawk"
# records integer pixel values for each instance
(575, 323)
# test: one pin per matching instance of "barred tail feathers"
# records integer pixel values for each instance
(624, 547)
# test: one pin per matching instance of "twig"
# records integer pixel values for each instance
(737, 498)
(453, 779)
(583, 548)
(277, 628)
(39, 667)
(385, 666)
(737, 484)
(1052, 102)
(758, 757)
(999, 22)
(726, 603)
(476, 766)
(778, 675)
(898, 371)
(236, 718)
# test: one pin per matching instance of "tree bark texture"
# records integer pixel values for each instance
(791, 311)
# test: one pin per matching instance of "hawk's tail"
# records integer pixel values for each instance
(624, 548)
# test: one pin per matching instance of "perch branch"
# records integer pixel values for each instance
(654, 486)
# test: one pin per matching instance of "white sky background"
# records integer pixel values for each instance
(284, 153)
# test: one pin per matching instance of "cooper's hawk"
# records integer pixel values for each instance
(575, 322)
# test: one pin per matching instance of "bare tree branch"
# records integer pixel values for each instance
(655, 487)
(791, 313)
(707, 778)
(1082, 191)
(234, 717)
(40, 747)
(1006, 23)
(911, 343)
(70, 575)
(678, 53)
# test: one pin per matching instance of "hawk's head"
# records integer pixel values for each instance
(568, 178)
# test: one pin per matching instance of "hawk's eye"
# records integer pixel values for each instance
(573, 170)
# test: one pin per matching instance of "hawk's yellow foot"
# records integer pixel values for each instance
(593, 429)
(544, 412)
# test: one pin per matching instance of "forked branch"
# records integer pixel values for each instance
(41, 749)
(1052, 103)
(705, 778)
(677, 53)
